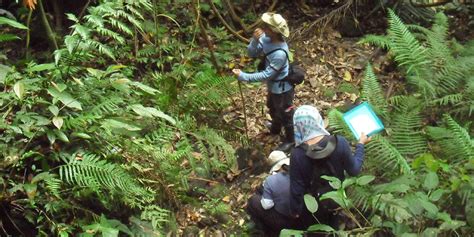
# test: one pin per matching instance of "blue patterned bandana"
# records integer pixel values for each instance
(308, 124)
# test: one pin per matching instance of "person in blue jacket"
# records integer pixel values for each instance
(310, 130)
(269, 208)
(269, 41)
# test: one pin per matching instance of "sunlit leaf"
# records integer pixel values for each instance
(12, 23)
(58, 122)
(321, 227)
(4, 70)
(54, 110)
(19, 89)
(311, 203)
(364, 180)
(41, 67)
(431, 181)
(62, 136)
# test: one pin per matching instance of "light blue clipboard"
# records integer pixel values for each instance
(363, 119)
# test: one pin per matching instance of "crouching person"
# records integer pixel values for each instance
(270, 208)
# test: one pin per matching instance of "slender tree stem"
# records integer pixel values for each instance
(28, 31)
(245, 110)
(47, 26)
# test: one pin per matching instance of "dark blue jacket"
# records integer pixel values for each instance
(301, 169)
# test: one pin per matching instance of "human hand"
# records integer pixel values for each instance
(257, 33)
(364, 139)
(236, 71)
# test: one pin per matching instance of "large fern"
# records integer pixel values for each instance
(453, 140)
(372, 92)
(406, 125)
(90, 171)
(385, 157)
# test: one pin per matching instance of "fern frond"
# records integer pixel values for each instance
(377, 40)
(454, 141)
(387, 157)
(372, 92)
(156, 215)
(406, 135)
(92, 172)
(338, 125)
(407, 49)
(453, 100)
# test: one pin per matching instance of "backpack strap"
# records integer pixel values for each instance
(281, 68)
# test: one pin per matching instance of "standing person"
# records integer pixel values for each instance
(269, 41)
(270, 209)
(315, 150)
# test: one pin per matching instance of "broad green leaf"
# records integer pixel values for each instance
(54, 110)
(39, 177)
(41, 67)
(348, 182)
(30, 190)
(112, 123)
(60, 87)
(333, 181)
(337, 197)
(364, 180)
(4, 70)
(291, 233)
(8, 37)
(452, 225)
(431, 181)
(65, 98)
(145, 88)
(51, 136)
(311, 203)
(151, 112)
(12, 23)
(81, 135)
(429, 232)
(321, 227)
(19, 89)
(62, 136)
(436, 195)
(58, 122)
(429, 207)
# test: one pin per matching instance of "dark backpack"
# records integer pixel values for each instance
(296, 73)
(321, 166)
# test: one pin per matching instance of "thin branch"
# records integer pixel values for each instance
(234, 16)
(332, 16)
(227, 26)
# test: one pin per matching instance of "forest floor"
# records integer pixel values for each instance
(335, 66)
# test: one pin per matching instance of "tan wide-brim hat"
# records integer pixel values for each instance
(277, 159)
(277, 22)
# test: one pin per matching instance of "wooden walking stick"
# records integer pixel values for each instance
(245, 111)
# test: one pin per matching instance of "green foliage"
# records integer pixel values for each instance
(372, 92)
(430, 63)
(104, 121)
(90, 171)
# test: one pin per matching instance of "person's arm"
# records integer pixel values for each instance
(277, 62)
(254, 49)
(300, 178)
(353, 163)
(267, 199)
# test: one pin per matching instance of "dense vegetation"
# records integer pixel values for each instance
(108, 117)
